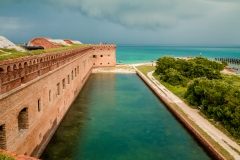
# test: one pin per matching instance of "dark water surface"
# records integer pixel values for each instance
(117, 117)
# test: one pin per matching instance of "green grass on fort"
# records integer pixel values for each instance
(12, 53)
(5, 157)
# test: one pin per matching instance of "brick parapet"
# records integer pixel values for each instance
(104, 47)
(42, 87)
(18, 71)
(104, 56)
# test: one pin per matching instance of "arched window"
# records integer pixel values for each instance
(1, 70)
(14, 67)
(2, 137)
(8, 69)
(23, 119)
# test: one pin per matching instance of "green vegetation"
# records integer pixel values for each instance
(200, 83)
(204, 134)
(5, 157)
(12, 53)
(179, 91)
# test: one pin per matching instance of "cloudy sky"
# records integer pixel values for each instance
(151, 22)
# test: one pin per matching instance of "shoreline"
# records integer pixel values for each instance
(122, 68)
(129, 68)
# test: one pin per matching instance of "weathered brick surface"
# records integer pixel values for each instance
(34, 91)
(44, 43)
(2, 137)
(102, 58)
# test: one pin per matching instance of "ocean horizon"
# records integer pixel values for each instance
(128, 54)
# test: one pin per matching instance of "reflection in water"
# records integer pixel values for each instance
(116, 116)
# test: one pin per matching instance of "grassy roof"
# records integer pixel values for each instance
(12, 53)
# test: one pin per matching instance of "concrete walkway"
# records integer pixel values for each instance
(193, 114)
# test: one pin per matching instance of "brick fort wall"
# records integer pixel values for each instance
(37, 91)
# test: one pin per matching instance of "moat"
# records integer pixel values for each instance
(116, 116)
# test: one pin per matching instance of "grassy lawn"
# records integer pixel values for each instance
(204, 134)
(145, 69)
(12, 53)
(177, 90)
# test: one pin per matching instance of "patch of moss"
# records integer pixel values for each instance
(12, 53)
(5, 157)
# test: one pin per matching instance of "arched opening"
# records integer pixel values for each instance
(15, 67)
(25, 67)
(1, 70)
(2, 137)
(20, 66)
(8, 69)
(22, 80)
(23, 119)
(25, 64)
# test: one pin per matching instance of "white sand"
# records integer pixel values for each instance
(59, 41)
(123, 68)
(117, 69)
(76, 42)
(6, 44)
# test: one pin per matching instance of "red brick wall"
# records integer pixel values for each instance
(68, 41)
(44, 43)
(32, 83)
(104, 55)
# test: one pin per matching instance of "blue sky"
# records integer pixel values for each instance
(151, 22)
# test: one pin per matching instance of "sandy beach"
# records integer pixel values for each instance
(129, 68)
(121, 68)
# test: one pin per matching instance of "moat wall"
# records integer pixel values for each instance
(207, 145)
(37, 91)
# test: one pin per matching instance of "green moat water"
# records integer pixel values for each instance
(117, 117)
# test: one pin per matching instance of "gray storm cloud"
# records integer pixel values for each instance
(141, 21)
(150, 14)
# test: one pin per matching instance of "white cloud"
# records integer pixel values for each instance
(151, 14)
(155, 21)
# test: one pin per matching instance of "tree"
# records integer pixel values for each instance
(173, 77)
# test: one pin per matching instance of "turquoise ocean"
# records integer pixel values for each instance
(128, 54)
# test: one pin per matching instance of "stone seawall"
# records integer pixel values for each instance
(208, 146)
(37, 91)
